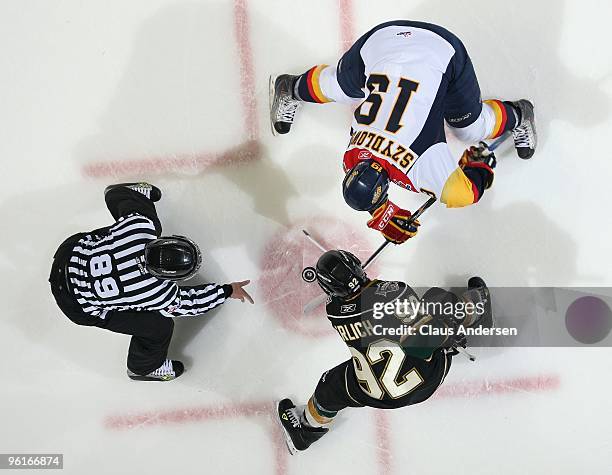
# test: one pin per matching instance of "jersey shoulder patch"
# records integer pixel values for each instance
(386, 288)
(378, 291)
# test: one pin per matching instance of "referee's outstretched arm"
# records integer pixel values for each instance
(199, 299)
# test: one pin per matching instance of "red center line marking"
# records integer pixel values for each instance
(347, 33)
(246, 152)
(384, 449)
(210, 413)
(528, 384)
(247, 70)
(203, 160)
(281, 454)
(383, 442)
(525, 384)
(181, 416)
(155, 165)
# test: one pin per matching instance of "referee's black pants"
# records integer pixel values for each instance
(151, 332)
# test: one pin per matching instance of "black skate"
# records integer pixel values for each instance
(297, 435)
(283, 105)
(150, 191)
(171, 369)
(524, 134)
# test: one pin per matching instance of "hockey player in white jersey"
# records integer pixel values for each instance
(123, 278)
(406, 79)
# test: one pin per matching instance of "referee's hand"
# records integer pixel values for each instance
(239, 293)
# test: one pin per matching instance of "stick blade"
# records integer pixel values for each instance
(313, 304)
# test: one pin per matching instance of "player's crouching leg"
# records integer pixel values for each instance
(303, 425)
(499, 117)
(299, 433)
(288, 91)
(318, 85)
(495, 118)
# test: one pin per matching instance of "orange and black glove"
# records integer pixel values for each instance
(392, 222)
(479, 162)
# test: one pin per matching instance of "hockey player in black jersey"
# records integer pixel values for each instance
(395, 362)
(123, 278)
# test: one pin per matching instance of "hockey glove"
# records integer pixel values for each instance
(480, 158)
(392, 222)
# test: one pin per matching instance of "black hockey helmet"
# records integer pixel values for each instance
(339, 273)
(365, 186)
(173, 258)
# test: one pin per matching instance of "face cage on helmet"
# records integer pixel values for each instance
(196, 267)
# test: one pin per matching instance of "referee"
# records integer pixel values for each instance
(123, 278)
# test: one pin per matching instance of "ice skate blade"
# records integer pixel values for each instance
(272, 92)
(137, 377)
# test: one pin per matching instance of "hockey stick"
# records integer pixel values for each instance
(491, 147)
(313, 240)
(314, 303)
(497, 142)
(465, 353)
(412, 219)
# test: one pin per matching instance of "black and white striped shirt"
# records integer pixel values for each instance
(107, 272)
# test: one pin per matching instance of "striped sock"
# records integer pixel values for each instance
(307, 86)
(316, 416)
(505, 117)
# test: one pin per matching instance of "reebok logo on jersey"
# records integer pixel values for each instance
(348, 308)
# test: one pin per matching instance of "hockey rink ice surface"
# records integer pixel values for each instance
(175, 92)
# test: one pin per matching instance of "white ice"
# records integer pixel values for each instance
(88, 82)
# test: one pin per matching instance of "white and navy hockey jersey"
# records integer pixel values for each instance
(406, 79)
